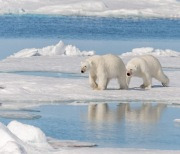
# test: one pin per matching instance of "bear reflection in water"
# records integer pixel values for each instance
(142, 113)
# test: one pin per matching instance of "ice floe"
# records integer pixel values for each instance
(104, 8)
(70, 50)
(19, 87)
(152, 51)
(34, 88)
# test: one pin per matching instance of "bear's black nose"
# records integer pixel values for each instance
(128, 74)
(82, 71)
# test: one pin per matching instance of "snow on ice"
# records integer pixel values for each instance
(52, 59)
(58, 49)
(69, 50)
(152, 51)
(104, 8)
(31, 90)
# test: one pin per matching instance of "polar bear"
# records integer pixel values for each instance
(103, 69)
(146, 67)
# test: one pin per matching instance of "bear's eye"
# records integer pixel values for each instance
(85, 66)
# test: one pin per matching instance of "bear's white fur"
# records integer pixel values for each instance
(103, 69)
(146, 67)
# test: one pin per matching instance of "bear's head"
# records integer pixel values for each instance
(131, 69)
(85, 66)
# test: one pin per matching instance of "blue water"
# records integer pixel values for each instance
(51, 74)
(129, 125)
(65, 75)
(103, 35)
(92, 28)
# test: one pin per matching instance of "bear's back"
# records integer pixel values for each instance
(114, 65)
(111, 64)
(151, 61)
(112, 59)
(153, 64)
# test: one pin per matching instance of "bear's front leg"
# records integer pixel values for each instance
(122, 82)
(102, 84)
(128, 79)
(147, 81)
(145, 86)
(92, 81)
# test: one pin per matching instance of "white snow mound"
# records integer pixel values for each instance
(152, 51)
(30, 134)
(58, 49)
(12, 147)
(18, 138)
(9, 143)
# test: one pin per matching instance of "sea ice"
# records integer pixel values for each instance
(58, 49)
(40, 88)
(31, 90)
(103, 8)
(152, 51)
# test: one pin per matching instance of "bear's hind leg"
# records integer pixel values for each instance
(128, 79)
(162, 78)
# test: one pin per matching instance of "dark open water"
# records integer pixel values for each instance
(92, 28)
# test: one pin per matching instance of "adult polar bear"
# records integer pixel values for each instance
(104, 68)
(146, 67)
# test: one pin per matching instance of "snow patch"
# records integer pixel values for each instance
(12, 147)
(70, 50)
(58, 49)
(30, 134)
(9, 143)
(152, 51)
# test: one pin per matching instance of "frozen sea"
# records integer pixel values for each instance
(38, 90)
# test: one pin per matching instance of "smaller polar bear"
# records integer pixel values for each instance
(104, 68)
(146, 67)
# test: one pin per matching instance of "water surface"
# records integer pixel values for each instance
(73, 27)
(103, 35)
(124, 125)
